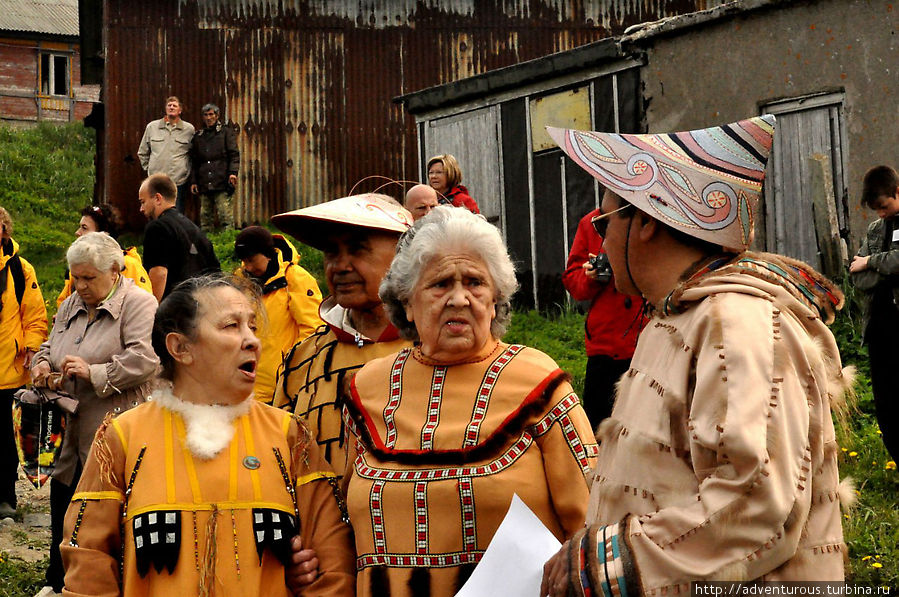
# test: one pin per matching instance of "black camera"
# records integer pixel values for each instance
(602, 267)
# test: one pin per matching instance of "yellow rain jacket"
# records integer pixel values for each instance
(22, 326)
(134, 269)
(291, 298)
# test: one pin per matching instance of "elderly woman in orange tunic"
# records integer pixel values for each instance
(446, 432)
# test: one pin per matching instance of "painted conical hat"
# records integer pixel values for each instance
(376, 213)
(706, 183)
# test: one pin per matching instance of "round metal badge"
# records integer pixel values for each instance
(251, 462)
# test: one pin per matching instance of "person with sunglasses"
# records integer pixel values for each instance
(613, 320)
(719, 461)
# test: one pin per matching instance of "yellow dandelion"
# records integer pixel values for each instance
(853, 454)
(845, 449)
(879, 432)
(866, 558)
(876, 565)
(890, 466)
(874, 462)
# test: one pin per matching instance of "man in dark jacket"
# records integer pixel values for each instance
(216, 161)
(874, 271)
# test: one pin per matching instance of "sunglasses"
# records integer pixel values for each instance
(601, 222)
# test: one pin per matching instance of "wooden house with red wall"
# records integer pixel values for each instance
(40, 70)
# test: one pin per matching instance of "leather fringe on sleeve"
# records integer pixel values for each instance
(103, 453)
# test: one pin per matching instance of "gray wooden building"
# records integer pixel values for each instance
(825, 68)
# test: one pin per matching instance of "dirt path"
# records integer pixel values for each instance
(28, 538)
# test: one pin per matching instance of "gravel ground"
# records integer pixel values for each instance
(27, 536)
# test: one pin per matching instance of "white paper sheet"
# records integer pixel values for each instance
(513, 562)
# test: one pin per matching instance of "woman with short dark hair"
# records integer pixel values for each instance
(202, 489)
(101, 218)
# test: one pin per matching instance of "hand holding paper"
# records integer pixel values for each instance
(513, 562)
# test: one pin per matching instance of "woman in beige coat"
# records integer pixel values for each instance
(99, 352)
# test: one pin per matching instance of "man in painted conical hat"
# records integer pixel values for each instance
(719, 460)
(358, 237)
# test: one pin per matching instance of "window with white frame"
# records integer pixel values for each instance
(54, 74)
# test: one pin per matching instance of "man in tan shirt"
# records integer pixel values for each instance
(164, 148)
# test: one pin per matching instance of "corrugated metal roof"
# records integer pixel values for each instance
(55, 17)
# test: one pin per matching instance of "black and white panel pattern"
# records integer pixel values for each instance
(273, 529)
(157, 540)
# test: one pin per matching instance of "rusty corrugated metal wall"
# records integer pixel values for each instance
(309, 83)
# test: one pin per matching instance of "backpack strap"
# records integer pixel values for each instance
(13, 266)
(18, 276)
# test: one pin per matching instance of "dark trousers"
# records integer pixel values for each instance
(60, 497)
(182, 196)
(883, 349)
(603, 372)
(9, 458)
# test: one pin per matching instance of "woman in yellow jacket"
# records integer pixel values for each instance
(23, 327)
(101, 219)
(289, 293)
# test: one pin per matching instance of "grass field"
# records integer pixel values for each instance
(46, 177)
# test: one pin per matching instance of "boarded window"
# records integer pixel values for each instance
(521, 181)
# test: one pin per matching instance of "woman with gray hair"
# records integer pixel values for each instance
(447, 431)
(99, 351)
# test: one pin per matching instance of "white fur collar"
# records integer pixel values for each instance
(210, 427)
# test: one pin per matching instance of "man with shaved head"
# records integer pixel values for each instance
(420, 200)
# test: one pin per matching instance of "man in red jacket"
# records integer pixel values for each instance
(613, 321)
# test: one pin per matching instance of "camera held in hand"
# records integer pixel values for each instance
(600, 264)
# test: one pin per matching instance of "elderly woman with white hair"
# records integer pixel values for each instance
(445, 432)
(100, 352)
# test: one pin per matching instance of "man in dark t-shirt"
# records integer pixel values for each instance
(175, 249)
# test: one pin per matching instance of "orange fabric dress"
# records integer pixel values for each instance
(439, 452)
(217, 521)
(312, 377)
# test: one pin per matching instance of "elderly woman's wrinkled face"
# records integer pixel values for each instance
(452, 307)
(355, 264)
(225, 351)
(91, 284)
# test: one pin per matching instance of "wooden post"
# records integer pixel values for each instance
(830, 246)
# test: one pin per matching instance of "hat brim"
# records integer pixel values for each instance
(318, 232)
(368, 214)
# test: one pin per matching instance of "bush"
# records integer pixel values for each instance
(46, 177)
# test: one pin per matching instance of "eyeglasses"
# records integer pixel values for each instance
(601, 222)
